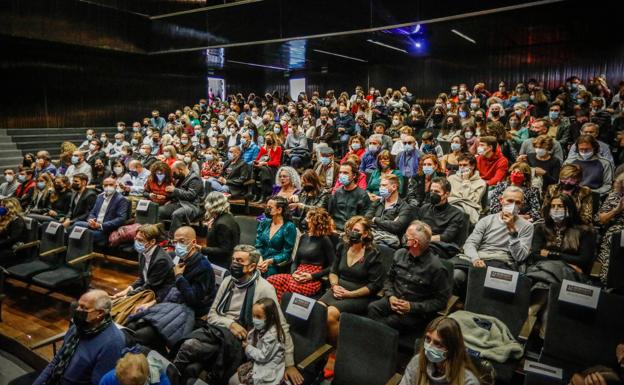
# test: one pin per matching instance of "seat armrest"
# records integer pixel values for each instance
(84, 258)
(595, 270)
(394, 380)
(48, 341)
(450, 304)
(53, 251)
(25, 246)
(319, 353)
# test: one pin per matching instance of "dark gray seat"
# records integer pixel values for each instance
(248, 229)
(147, 215)
(50, 248)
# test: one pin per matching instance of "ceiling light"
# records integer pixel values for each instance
(257, 65)
(386, 45)
(339, 55)
(417, 44)
(456, 32)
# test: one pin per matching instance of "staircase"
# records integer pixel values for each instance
(10, 155)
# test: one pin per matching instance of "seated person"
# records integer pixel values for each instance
(44, 165)
(390, 214)
(600, 375)
(276, 236)
(155, 266)
(312, 196)
(355, 277)
(158, 179)
(121, 174)
(449, 162)
(266, 165)
(26, 188)
(109, 212)
(94, 152)
(12, 230)
(385, 141)
(467, 187)
(430, 146)
(223, 233)
(398, 145)
(407, 159)
(519, 176)
(184, 197)
(349, 200)
(385, 166)
(417, 285)
(443, 355)
(570, 177)
(78, 166)
(361, 179)
(42, 194)
(287, 183)
(91, 346)
(234, 175)
(543, 163)
(58, 203)
(296, 146)
(369, 159)
(194, 289)
(134, 368)
(445, 221)
(212, 168)
(82, 201)
(592, 129)
(144, 155)
(611, 217)
(539, 127)
(249, 148)
(491, 163)
(597, 171)
(420, 184)
(326, 168)
(138, 174)
(8, 187)
(231, 316)
(501, 240)
(356, 146)
(100, 172)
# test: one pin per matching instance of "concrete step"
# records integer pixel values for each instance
(9, 153)
(61, 130)
(10, 162)
(6, 143)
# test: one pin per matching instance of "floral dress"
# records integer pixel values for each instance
(616, 225)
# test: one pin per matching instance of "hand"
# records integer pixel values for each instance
(544, 253)
(93, 224)
(295, 206)
(478, 263)
(238, 331)
(264, 265)
(338, 291)
(52, 213)
(179, 269)
(393, 301)
(521, 158)
(244, 343)
(262, 164)
(153, 196)
(293, 376)
(402, 307)
(170, 188)
(222, 180)
(595, 379)
(66, 223)
(539, 171)
(158, 196)
(509, 220)
(304, 277)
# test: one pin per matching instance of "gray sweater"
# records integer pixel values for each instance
(412, 372)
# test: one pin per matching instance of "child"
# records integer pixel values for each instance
(264, 347)
(136, 369)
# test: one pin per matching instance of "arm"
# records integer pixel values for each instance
(159, 272)
(399, 224)
(276, 158)
(225, 245)
(47, 372)
(267, 347)
(440, 294)
(290, 237)
(607, 178)
(194, 190)
(585, 254)
(375, 275)
(538, 242)
(194, 292)
(363, 204)
(453, 228)
(213, 317)
(14, 232)
(390, 277)
(329, 254)
(520, 245)
(105, 361)
(474, 239)
(89, 206)
(499, 175)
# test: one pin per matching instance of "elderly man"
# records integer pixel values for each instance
(138, 178)
(184, 198)
(417, 285)
(91, 347)
(43, 164)
(145, 156)
(217, 345)
(592, 129)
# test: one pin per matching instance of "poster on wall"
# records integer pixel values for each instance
(216, 88)
(297, 86)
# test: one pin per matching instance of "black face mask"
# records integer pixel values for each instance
(75, 187)
(478, 118)
(308, 188)
(495, 113)
(236, 270)
(355, 237)
(269, 142)
(567, 186)
(79, 318)
(267, 212)
(323, 121)
(435, 198)
(533, 134)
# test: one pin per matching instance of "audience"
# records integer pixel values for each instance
(183, 197)
(390, 214)
(570, 177)
(543, 164)
(223, 233)
(9, 186)
(467, 187)
(326, 168)
(276, 236)
(420, 184)
(349, 200)
(519, 176)
(287, 183)
(78, 166)
(385, 166)
(491, 163)
(611, 216)
(597, 170)
(82, 200)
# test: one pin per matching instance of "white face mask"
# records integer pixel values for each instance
(511, 208)
(118, 170)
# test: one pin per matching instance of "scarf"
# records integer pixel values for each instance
(245, 314)
(69, 348)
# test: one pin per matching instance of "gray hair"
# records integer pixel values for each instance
(590, 124)
(377, 138)
(254, 254)
(101, 300)
(216, 204)
(422, 232)
(514, 189)
(295, 179)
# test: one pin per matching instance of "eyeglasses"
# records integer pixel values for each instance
(408, 143)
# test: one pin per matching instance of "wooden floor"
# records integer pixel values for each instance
(29, 316)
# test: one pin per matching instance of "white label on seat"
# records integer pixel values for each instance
(501, 279)
(28, 222)
(176, 260)
(219, 273)
(300, 306)
(142, 205)
(579, 294)
(77, 233)
(546, 370)
(52, 227)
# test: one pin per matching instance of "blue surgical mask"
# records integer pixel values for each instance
(455, 146)
(139, 247)
(325, 160)
(463, 114)
(243, 141)
(355, 146)
(21, 178)
(258, 323)
(41, 185)
(408, 147)
(372, 148)
(74, 159)
(427, 170)
(433, 354)
(181, 249)
(160, 177)
(384, 192)
(344, 179)
(553, 115)
(586, 155)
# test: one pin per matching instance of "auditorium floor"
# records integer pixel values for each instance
(29, 316)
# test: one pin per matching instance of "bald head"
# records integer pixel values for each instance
(187, 232)
(96, 299)
(185, 235)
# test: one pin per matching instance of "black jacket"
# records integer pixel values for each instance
(80, 210)
(445, 220)
(236, 173)
(160, 276)
(190, 189)
(393, 220)
(221, 239)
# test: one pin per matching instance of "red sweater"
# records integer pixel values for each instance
(494, 169)
(359, 153)
(275, 156)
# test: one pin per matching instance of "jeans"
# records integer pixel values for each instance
(216, 186)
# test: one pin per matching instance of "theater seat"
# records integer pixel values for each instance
(50, 249)
(57, 277)
(248, 229)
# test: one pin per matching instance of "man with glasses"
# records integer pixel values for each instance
(592, 129)
(91, 346)
(407, 159)
(228, 321)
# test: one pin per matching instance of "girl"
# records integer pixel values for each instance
(264, 347)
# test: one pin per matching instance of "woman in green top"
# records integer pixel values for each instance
(518, 134)
(385, 165)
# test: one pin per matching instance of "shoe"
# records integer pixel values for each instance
(328, 371)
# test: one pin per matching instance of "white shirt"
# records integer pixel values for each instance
(102, 212)
(148, 258)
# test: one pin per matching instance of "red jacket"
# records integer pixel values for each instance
(494, 169)
(275, 156)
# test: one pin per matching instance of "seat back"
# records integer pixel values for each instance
(248, 229)
(615, 275)
(53, 237)
(79, 243)
(510, 308)
(367, 352)
(170, 369)
(307, 335)
(465, 230)
(146, 212)
(582, 336)
(387, 257)
(32, 230)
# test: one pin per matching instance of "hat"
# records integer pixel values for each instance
(326, 150)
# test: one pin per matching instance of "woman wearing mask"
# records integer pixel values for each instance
(12, 230)
(450, 128)
(121, 175)
(169, 156)
(296, 146)
(416, 119)
(611, 216)
(266, 164)
(276, 236)
(40, 202)
(287, 183)
(313, 257)
(520, 176)
(597, 171)
(419, 185)
(28, 160)
(223, 231)
(356, 146)
(441, 358)
(58, 202)
(136, 142)
(397, 147)
(190, 159)
(212, 167)
(570, 177)
(436, 119)
(518, 133)
(395, 126)
(155, 187)
(465, 116)
(311, 196)
(543, 163)
(449, 162)
(185, 145)
(355, 276)
(480, 123)
(468, 132)
(100, 172)
(385, 165)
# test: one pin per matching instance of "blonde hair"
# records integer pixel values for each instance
(14, 209)
(132, 369)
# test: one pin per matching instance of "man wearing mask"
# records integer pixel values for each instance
(539, 127)
(108, 214)
(91, 346)
(157, 121)
(249, 148)
(145, 156)
(7, 189)
(138, 177)
(446, 221)
(417, 285)
(407, 160)
(44, 165)
(94, 153)
(592, 129)
(26, 188)
(326, 168)
(184, 197)
(90, 135)
(157, 147)
(82, 200)
(491, 163)
(501, 240)
(229, 318)
(117, 149)
(369, 159)
(349, 200)
(559, 125)
(324, 131)
(235, 173)
(389, 215)
(78, 166)
(602, 118)
(467, 187)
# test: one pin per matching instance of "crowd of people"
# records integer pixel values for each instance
(524, 178)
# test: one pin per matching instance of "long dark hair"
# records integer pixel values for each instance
(282, 203)
(571, 225)
(272, 317)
